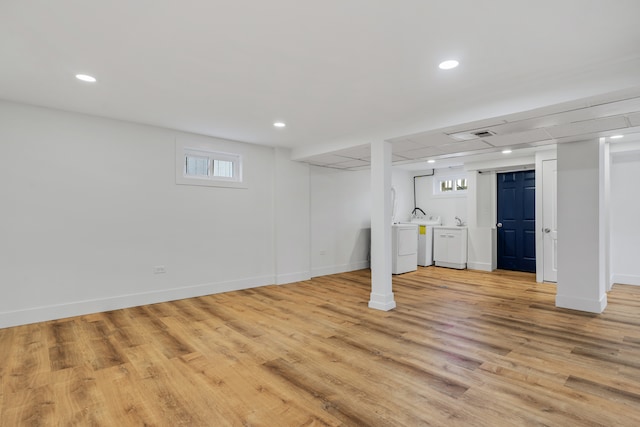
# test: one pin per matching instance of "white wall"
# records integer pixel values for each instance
(447, 207)
(340, 220)
(402, 181)
(291, 202)
(625, 215)
(90, 206)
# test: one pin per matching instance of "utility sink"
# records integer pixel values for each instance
(428, 220)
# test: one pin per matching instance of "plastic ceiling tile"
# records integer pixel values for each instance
(432, 139)
(463, 146)
(533, 135)
(355, 152)
(420, 153)
(634, 119)
(327, 159)
(404, 145)
(587, 126)
(351, 164)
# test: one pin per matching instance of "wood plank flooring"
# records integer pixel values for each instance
(462, 348)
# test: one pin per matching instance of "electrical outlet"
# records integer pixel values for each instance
(159, 269)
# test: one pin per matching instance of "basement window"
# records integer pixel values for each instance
(202, 165)
(450, 185)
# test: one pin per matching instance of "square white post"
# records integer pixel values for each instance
(381, 285)
(582, 226)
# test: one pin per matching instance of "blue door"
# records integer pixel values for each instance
(517, 221)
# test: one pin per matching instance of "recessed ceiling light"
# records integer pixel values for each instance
(86, 78)
(616, 136)
(279, 124)
(507, 151)
(431, 161)
(448, 64)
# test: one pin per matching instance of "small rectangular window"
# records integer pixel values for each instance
(446, 185)
(461, 184)
(196, 166)
(450, 185)
(199, 165)
(223, 168)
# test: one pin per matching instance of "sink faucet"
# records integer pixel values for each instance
(458, 221)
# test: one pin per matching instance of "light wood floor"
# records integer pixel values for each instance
(462, 348)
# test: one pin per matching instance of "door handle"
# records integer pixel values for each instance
(499, 225)
(547, 230)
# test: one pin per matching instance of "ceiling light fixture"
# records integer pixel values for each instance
(507, 151)
(431, 161)
(86, 78)
(448, 64)
(279, 124)
(616, 137)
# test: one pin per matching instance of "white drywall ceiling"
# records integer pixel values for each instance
(339, 73)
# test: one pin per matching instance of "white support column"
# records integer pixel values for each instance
(605, 202)
(582, 226)
(381, 288)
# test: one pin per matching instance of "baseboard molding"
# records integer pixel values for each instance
(341, 268)
(626, 279)
(79, 308)
(283, 279)
(582, 304)
(482, 266)
(384, 302)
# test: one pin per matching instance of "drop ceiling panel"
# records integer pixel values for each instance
(634, 119)
(625, 106)
(573, 113)
(327, 159)
(478, 124)
(394, 158)
(432, 139)
(351, 164)
(404, 145)
(463, 146)
(525, 137)
(420, 153)
(355, 152)
(588, 126)
(541, 143)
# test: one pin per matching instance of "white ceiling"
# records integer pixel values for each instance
(340, 73)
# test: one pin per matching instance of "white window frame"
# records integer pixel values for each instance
(208, 151)
(437, 191)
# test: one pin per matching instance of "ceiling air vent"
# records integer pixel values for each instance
(484, 133)
(471, 135)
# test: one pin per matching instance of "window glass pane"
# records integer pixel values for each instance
(446, 185)
(197, 166)
(461, 184)
(223, 168)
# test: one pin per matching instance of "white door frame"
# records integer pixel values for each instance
(541, 156)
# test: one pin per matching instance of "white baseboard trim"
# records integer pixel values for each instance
(79, 308)
(582, 304)
(283, 279)
(626, 279)
(482, 266)
(384, 302)
(342, 268)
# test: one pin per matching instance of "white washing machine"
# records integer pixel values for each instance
(404, 247)
(425, 238)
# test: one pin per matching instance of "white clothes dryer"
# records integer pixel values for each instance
(404, 247)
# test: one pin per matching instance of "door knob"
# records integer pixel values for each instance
(547, 230)
(499, 225)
